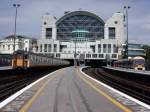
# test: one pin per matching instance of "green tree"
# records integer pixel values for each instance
(147, 51)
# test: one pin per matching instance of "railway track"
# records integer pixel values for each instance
(138, 89)
(10, 84)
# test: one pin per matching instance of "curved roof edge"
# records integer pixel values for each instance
(79, 13)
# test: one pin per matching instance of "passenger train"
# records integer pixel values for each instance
(137, 63)
(24, 59)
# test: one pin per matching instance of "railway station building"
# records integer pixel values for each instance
(82, 33)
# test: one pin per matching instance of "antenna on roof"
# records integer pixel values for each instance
(80, 9)
(47, 13)
(66, 12)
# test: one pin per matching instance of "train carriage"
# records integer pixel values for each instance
(24, 59)
(137, 63)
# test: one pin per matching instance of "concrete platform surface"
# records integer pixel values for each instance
(69, 90)
(6, 68)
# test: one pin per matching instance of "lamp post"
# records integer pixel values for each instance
(127, 32)
(16, 11)
(75, 55)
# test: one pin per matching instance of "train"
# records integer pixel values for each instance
(5, 60)
(25, 59)
(137, 63)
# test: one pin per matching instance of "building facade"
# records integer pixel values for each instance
(21, 43)
(135, 50)
(82, 33)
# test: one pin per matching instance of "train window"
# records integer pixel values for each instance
(25, 56)
(139, 62)
(19, 56)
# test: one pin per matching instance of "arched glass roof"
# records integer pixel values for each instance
(80, 20)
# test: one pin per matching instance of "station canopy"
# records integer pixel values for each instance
(80, 23)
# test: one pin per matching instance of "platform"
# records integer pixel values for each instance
(140, 72)
(6, 68)
(70, 90)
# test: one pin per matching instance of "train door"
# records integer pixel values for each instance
(20, 60)
(17, 60)
(14, 61)
(25, 60)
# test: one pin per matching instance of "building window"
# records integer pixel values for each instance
(49, 48)
(115, 49)
(101, 56)
(104, 48)
(55, 47)
(45, 47)
(48, 33)
(45, 23)
(26, 48)
(99, 48)
(41, 48)
(36, 48)
(93, 48)
(58, 55)
(88, 55)
(114, 56)
(94, 55)
(8, 47)
(116, 22)
(112, 33)
(3, 47)
(109, 48)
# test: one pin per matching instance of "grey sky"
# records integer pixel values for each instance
(31, 11)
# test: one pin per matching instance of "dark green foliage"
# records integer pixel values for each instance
(147, 51)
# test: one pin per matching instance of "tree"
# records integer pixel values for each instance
(147, 51)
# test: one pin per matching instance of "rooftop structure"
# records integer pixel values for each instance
(21, 43)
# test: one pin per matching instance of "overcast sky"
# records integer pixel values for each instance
(31, 11)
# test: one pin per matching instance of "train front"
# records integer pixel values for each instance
(19, 59)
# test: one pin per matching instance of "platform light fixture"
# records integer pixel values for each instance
(126, 8)
(16, 14)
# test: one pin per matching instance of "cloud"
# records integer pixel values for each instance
(31, 11)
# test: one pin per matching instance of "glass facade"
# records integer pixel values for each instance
(80, 20)
(112, 33)
(135, 50)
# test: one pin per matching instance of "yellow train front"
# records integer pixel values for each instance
(24, 59)
(20, 59)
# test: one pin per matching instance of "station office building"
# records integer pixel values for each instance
(83, 33)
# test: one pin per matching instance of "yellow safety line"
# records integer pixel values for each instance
(37, 94)
(105, 95)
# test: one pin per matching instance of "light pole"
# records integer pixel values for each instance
(127, 32)
(16, 11)
(75, 56)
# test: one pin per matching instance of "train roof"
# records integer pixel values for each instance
(131, 58)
